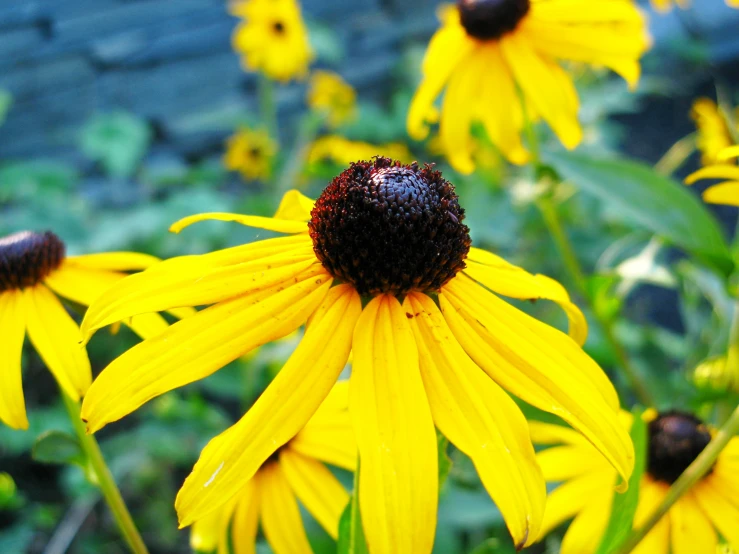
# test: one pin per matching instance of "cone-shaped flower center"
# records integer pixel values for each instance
(675, 440)
(26, 258)
(386, 227)
(491, 19)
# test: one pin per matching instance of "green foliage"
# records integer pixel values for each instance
(118, 141)
(57, 447)
(351, 534)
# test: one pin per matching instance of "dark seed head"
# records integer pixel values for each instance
(386, 227)
(26, 258)
(278, 27)
(491, 19)
(675, 440)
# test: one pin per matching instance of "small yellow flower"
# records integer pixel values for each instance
(250, 152)
(273, 38)
(666, 5)
(487, 50)
(329, 94)
(34, 269)
(342, 151)
(726, 192)
(382, 266)
(296, 469)
(713, 130)
(674, 440)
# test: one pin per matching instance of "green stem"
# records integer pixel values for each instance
(307, 132)
(105, 481)
(267, 104)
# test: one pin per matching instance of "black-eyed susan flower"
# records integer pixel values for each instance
(674, 440)
(713, 130)
(342, 151)
(727, 191)
(296, 469)
(34, 271)
(488, 50)
(381, 266)
(330, 95)
(251, 153)
(272, 38)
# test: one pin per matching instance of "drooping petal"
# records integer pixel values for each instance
(12, 331)
(316, 488)
(281, 519)
(585, 11)
(545, 85)
(207, 534)
(561, 463)
(234, 456)
(113, 261)
(721, 171)
(480, 419)
(188, 284)
(246, 518)
(538, 364)
(690, 529)
(724, 193)
(294, 206)
(329, 440)
(548, 433)
(587, 529)
(195, 347)
(261, 222)
(720, 509)
(509, 280)
(657, 540)
(398, 481)
(57, 339)
(728, 153)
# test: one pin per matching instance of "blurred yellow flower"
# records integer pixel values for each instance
(329, 94)
(342, 151)
(713, 130)
(273, 38)
(250, 152)
(34, 269)
(727, 191)
(674, 440)
(488, 50)
(666, 5)
(296, 469)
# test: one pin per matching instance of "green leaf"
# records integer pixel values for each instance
(118, 141)
(653, 201)
(624, 505)
(351, 535)
(6, 101)
(445, 462)
(57, 447)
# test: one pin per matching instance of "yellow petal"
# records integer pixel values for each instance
(690, 529)
(548, 433)
(538, 364)
(192, 284)
(295, 206)
(206, 533)
(113, 261)
(729, 172)
(565, 462)
(57, 339)
(398, 482)
(266, 223)
(329, 439)
(480, 419)
(512, 281)
(587, 529)
(585, 11)
(281, 520)
(720, 509)
(195, 347)
(728, 153)
(546, 86)
(233, 457)
(657, 540)
(246, 518)
(723, 193)
(316, 488)
(12, 331)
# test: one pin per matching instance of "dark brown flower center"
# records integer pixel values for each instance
(491, 19)
(26, 258)
(675, 440)
(386, 227)
(278, 27)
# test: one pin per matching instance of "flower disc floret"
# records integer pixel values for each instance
(26, 258)
(386, 227)
(491, 19)
(675, 441)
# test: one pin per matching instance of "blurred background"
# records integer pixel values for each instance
(114, 116)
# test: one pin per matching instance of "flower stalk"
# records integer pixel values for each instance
(105, 481)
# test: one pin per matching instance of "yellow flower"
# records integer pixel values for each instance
(726, 192)
(342, 151)
(250, 152)
(488, 49)
(365, 265)
(273, 38)
(295, 469)
(674, 440)
(328, 93)
(666, 5)
(713, 130)
(33, 271)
